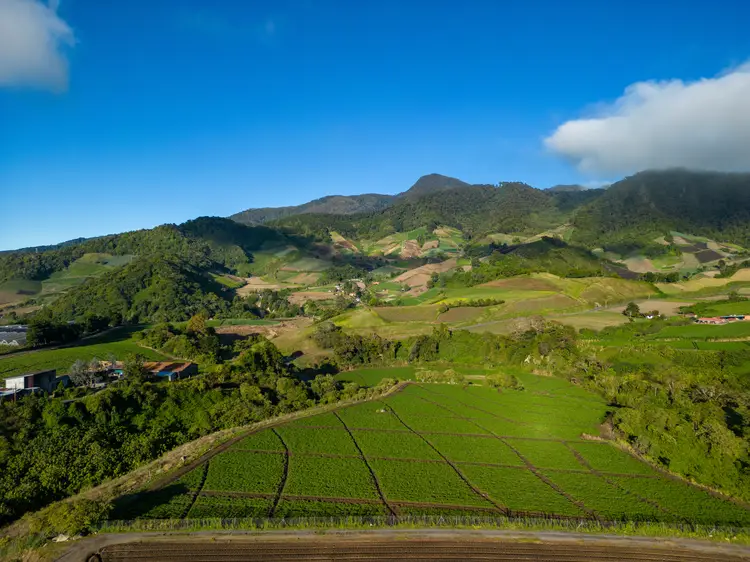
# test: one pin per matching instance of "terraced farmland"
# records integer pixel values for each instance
(438, 449)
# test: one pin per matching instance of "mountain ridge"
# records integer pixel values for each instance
(349, 204)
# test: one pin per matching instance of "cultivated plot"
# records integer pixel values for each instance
(440, 450)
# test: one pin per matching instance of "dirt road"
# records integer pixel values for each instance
(390, 544)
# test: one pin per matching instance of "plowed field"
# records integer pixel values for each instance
(400, 549)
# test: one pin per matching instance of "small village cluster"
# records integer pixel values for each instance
(104, 374)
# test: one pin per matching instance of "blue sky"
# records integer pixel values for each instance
(158, 111)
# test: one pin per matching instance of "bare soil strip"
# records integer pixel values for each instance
(367, 464)
(285, 474)
(501, 508)
(398, 545)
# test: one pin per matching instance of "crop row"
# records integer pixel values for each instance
(519, 490)
(329, 477)
(687, 501)
(244, 471)
(608, 501)
(424, 482)
(438, 483)
(449, 422)
(334, 441)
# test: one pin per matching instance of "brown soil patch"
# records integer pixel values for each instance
(407, 313)
(397, 546)
(461, 314)
(706, 256)
(255, 284)
(410, 249)
(392, 248)
(420, 275)
(430, 245)
(341, 242)
(554, 302)
(417, 279)
(304, 296)
(270, 331)
(639, 265)
(305, 278)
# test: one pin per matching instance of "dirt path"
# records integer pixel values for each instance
(397, 544)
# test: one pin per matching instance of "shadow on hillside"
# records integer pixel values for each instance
(166, 503)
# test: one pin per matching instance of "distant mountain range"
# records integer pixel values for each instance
(350, 204)
(171, 271)
(639, 207)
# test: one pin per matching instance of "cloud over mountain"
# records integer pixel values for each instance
(32, 40)
(703, 124)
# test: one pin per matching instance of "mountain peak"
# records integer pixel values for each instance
(432, 183)
(563, 188)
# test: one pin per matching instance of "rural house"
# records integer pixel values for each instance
(170, 370)
(45, 380)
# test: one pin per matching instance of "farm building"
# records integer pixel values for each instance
(13, 335)
(170, 370)
(45, 380)
(711, 320)
(722, 319)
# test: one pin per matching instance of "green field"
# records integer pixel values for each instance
(372, 376)
(439, 449)
(117, 343)
(18, 290)
(706, 331)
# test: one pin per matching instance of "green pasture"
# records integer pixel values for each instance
(373, 376)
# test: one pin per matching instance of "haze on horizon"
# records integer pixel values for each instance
(115, 117)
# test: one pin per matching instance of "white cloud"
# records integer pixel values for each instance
(698, 125)
(32, 39)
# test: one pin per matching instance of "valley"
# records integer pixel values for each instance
(490, 355)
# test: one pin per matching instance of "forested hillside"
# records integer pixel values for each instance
(652, 203)
(170, 272)
(331, 204)
(475, 210)
(350, 204)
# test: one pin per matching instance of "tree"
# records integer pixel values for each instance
(95, 365)
(134, 368)
(81, 374)
(197, 324)
(632, 311)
